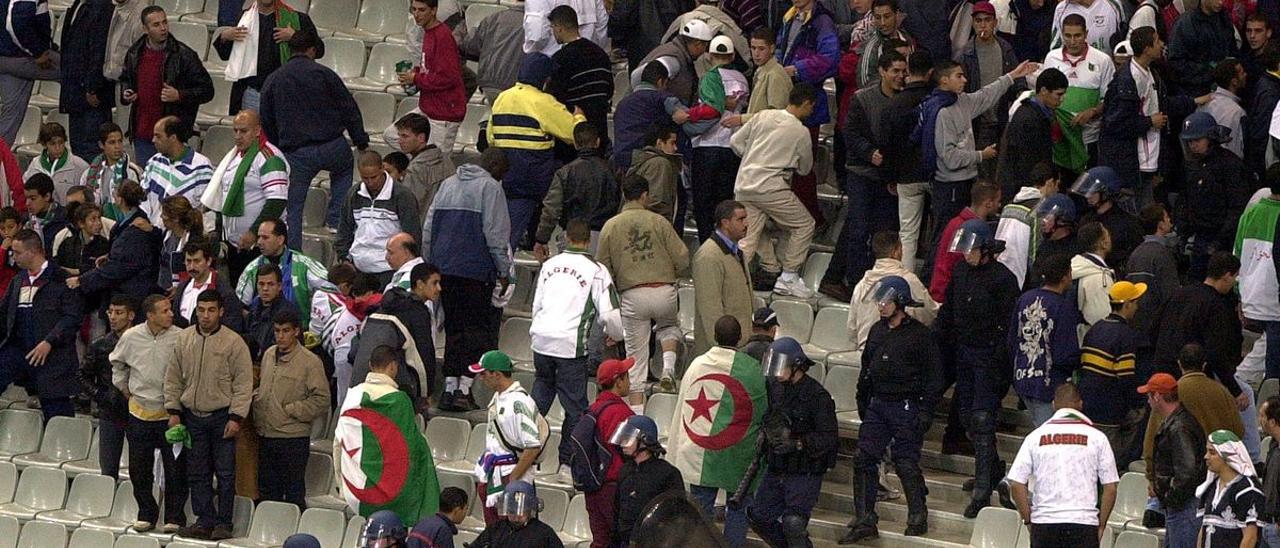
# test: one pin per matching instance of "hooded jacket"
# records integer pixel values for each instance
(864, 313)
(425, 172)
(1092, 281)
(1019, 229)
(1043, 343)
(662, 170)
(475, 245)
(403, 323)
(958, 156)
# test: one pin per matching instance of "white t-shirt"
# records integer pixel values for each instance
(1067, 458)
(1148, 145)
(1086, 75)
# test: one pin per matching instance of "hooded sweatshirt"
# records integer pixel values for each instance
(864, 313)
(475, 245)
(1091, 280)
(1043, 343)
(1017, 229)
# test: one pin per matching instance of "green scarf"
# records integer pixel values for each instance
(52, 166)
(286, 16)
(233, 205)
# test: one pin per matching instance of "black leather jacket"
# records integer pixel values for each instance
(1177, 466)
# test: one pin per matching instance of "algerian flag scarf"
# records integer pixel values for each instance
(722, 403)
(52, 166)
(243, 61)
(233, 204)
(384, 461)
(1234, 452)
(286, 16)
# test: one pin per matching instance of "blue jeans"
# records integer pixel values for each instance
(1271, 330)
(210, 454)
(1252, 440)
(871, 209)
(1041, 411)
(523, 213)
(1271, 535)
(566, 378)
(304, 163)
(143, 150)
(1181, 526)
(735, 521)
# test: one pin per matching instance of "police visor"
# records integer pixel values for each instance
(625, 435)
(518, 505)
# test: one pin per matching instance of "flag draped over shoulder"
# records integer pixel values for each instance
(721, 404)
(383, 462)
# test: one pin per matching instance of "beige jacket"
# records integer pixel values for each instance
(770, 90)
(139, 363)
(293, 393)
(724, 288)
(863, 313)
(639, 246)
(426, 171)
(774, 147)
(125, 29)
(209, 372)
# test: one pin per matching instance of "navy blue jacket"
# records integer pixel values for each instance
(1197, 44)
(1043, 343)
(631, 121)
(1122, 125)
(26, 28)
(1110, 359)
(305, 103)
(435, 531)
(57, 312)
(84, 49)
(1266, 93)
(133, 264)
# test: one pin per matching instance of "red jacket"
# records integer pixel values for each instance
(441, 96)
(12, 179)
(608, 421)
(946, 260)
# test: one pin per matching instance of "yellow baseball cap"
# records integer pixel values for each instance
(1123, 291)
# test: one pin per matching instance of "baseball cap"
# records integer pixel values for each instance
(697, 29)
(1123, 49)
(612, 370)
(1160, 383)
(1124, 291)
(984, 7)
(721, 45)
(493, 360)
(764, 317)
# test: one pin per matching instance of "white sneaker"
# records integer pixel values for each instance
(143, 526)
(793, 286)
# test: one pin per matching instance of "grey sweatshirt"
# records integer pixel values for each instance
(958, 159)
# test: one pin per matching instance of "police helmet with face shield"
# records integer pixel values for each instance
(783, 357)
(1054, 211)
(383, 530)
(519, 499)
(893, 289)
(975, 235)
(637, 429)
(1101, 180)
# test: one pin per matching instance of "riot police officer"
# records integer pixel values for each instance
(898, 388)
(801, 438)
(644, 476)
(519, 526)
(974, 322)
(384, 530)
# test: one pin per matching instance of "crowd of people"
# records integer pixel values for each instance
(1076, 200)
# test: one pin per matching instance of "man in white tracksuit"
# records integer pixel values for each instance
(574, 292)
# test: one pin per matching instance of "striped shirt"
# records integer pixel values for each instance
(267, 179)
(583, 79)
(164, 177)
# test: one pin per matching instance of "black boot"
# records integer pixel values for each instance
(864, 529)
(1006, 500)
(913, 487)
(975, 506)
(917, 524)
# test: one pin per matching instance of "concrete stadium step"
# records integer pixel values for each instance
(945, 512)
(829, 526)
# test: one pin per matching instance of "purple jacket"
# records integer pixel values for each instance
(815, 54)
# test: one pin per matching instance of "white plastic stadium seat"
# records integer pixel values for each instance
(136, 541)
(38, 534)
(272, 523)
(830, 333)
(39, 490)
(661, 407)
(215, 111)
(324, 524)
(555, 503)
(322, 492)
(91, 538)
(577, 526)
(90, 498)
(448, 438)
(194, 35)
(354, 527)
(514, 340)
(377, 109)
(469, 131)
(124, 511)
(475, 448)
(1131, 500)
(814, 267)
(335, 16)
(478, 12)
(795, 319)
(842, 383)
(8, 481)
(218, 140)
(345, 56)
(1136, 539)
(9, 529)
(66, 439)
(380, 71)
(995, 528)
(377, 20)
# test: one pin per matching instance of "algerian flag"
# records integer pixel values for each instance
(384, 462)
(722, 401)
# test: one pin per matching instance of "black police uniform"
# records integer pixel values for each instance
(796, 462)
(1217, 190)
(637, 485)
(503, 534)
(974, 320)
(897, 391)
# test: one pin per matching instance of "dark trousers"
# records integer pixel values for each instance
(871, 210)
(946, 200)
(470, 322)
(83, 131)
(282, 469)
(304, 163)
(806, 186)
(980, 387)
(210, 455)
(1271, 333)
(143, 150)
(56, 407)
(565, 378)
(1063, 535)
(524, 214)
(145, 437)
(896, 426)
(111, 434)
(713, 170)
(602, 506)
(782, 506)
(239, 259)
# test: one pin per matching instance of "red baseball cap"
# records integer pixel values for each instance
(984, 7)
(1160, 383)
(612, 370)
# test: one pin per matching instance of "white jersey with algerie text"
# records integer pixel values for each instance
(573, 293)
(1063, 461)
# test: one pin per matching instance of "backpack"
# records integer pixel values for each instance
(589, 458)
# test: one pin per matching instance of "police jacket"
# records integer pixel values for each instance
(1217, 189)
(638, 484)
(979, 302)
(503, 534)
(810, 415)
(900, 363)
(1177, 465)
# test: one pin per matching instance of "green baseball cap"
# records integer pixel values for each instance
(493, 360)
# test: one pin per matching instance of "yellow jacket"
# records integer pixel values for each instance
(525, 117)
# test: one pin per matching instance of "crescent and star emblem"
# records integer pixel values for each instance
(743, 411)
(395, 458)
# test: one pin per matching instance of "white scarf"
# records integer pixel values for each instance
(243, 61)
